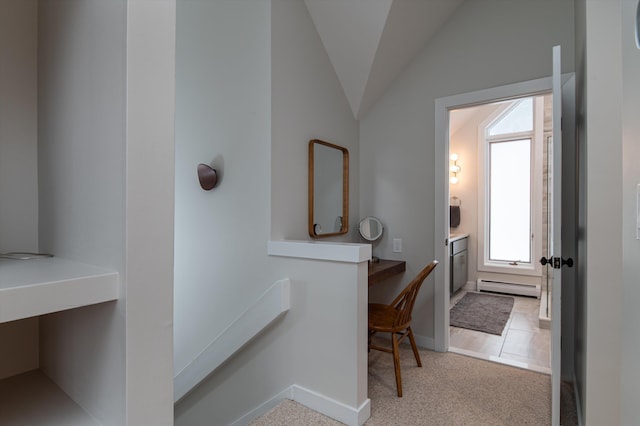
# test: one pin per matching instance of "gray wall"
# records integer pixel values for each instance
(485, 44)
(18, 126)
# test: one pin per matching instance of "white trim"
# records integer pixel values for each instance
(272, 304)
(322, 404)
(505, 361)
(425, 342)
(264, 408)
(556, 222)
(532, 268)
(321, 250)
(332, 408)
(41, 286)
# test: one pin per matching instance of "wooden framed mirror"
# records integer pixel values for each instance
(328, 189)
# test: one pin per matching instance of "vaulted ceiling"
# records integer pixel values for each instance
(369, 42)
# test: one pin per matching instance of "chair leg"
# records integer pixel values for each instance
(414, 347)
(396, 363)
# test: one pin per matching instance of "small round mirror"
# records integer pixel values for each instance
(370, 228)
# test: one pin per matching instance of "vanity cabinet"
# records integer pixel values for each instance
(458, 262)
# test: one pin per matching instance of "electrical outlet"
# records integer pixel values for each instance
(397, 245)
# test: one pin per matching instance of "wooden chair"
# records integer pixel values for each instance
(395, 318)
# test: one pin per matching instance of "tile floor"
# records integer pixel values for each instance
(522, 342)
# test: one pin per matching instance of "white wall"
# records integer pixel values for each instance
(485, 44)
(223, 118)
(18, 163)
(81, 163)
(608, 106)
(307, 103)
(464, 142)
(604, 184)
(630, 350)
(105, 150)
(254, 85)
(150, 162)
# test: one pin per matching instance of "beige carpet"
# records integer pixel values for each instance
(449, 389)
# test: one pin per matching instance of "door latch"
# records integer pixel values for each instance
(556, 262)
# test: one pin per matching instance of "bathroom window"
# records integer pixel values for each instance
(510, 192)
(510, 201)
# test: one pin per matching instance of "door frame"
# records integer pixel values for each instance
(441, 210)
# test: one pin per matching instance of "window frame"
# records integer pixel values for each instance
(483, 145)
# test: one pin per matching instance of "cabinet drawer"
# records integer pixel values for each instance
(459, 245)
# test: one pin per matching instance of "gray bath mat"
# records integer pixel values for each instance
(482, 312)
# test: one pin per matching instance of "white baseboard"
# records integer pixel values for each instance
(264, 408)
(332, 408)
(423, 341)
(322, 404)
(271, 305)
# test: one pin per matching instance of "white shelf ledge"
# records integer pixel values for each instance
(40, 286)
(32, 399)
(320, 250)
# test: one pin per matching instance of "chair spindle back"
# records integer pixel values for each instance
(405, 300)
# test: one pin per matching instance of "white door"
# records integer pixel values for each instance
(555, 262)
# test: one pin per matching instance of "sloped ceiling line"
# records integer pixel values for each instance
(370, 42)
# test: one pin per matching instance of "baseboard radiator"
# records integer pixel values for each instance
(509, 288)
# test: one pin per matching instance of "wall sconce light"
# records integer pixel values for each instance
(454, 169)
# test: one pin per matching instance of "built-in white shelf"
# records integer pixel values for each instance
(40, 286)
(321, 250)
(33, 399)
